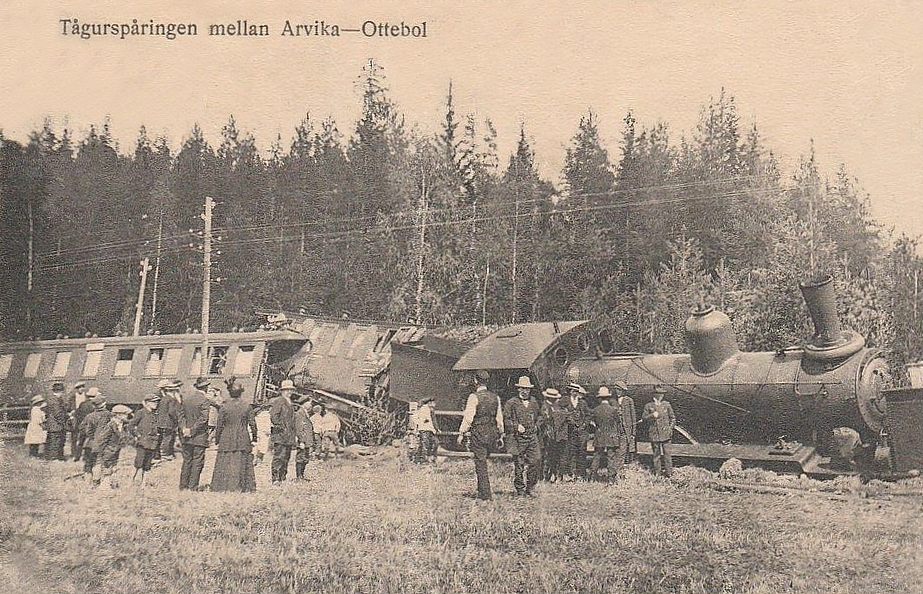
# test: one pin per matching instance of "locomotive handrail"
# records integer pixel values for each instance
(642, 367)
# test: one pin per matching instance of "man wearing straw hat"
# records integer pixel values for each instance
(574, 461)
(482, 425)
(553, 432)
(609, 440)
(520, 417)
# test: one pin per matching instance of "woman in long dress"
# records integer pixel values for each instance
(235, 433)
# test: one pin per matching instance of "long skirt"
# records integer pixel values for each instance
(234, 472)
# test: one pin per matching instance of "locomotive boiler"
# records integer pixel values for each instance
(731, 403)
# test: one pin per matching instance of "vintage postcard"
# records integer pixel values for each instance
(380, 296)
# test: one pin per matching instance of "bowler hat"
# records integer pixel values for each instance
(37, 399)
(603, 392)
(93, 392)
(80, 384)
(659, 389)
(287, 385)
(152, 398)
(57, 387)
(524, 382)
(482, 375)
(100, 402)
(551, 393)
(201, 384)
(121, 409)
(427, 399)
(620, 385)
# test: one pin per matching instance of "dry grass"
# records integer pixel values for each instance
(377, 526)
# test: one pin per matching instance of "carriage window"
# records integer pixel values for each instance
(6, 361)
(243, 364)
(32, 363)
(154, 362)
(171, 362)
(94, 356)
(196, 368)
(61, 361)
(217, 360)
(123, 362)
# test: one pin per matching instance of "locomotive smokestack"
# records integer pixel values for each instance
(711, 340)
(821, 301)
(829, 340)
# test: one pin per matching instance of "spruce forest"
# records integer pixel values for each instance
(384, 222)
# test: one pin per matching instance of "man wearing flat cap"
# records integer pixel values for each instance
(77, 397)
(282, 434)
(482, 425)
(147, 435)
(169, 414)
(90, 424)
(194, 434)
(574, 461)
(629, 420)
(609, 439)
(661, 422)
(553, 433)
(521, 419)
(107, 444)
(86, 406)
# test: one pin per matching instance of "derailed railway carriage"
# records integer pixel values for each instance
(789, 409)
(126, 368)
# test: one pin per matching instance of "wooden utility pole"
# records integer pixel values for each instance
(206, 279)
(156, 271)
(421, 248)
(31, 274)
(139, 308)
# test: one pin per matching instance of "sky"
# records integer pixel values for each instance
(846, 75)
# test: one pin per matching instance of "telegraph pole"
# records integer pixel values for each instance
(156, 270)
(145, 266)
(206, 279)
(420, 250)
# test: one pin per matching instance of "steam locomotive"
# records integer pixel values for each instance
(786, 407)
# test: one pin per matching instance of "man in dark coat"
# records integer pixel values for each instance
(482, 425)
(147, 435)
(553, 433)
(86, 406)
(520, 417)
(74, 401)
(629, 420)
(609, 440)
(55, 422)
(661, 422)
(282, 434)
(88, 428)
(169, 416)
(194, 434)
(575, 459)
(304, 434)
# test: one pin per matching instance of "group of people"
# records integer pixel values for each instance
(550, 439)
(196, 420)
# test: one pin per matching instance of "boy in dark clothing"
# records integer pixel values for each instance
(147, 437)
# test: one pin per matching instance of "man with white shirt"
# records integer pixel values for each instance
(422, 423)
(482, 425)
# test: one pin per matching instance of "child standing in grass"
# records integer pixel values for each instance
(35, 430)
(107, 443)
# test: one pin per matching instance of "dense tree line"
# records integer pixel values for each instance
(387, 222)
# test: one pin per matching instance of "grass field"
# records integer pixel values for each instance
(374, 525)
